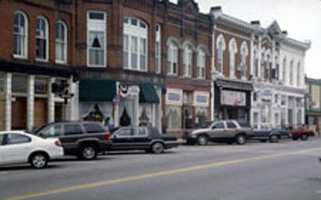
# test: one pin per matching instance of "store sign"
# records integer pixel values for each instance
(201, 99)
(174, 97)
(267, 95)
(233, 98)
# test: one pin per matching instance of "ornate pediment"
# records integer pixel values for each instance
(274, 29)
(189, 6)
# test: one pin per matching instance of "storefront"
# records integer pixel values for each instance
(232, 99)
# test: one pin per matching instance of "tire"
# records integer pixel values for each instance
(88, 152)
(39, 160)
(202, 140)
(240, 139)
(304, 137)
(157, 148)
(274, 138)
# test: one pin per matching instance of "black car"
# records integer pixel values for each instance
(142, 138)
(264, 132)
(83, 139)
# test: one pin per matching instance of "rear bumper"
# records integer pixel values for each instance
(172, 144)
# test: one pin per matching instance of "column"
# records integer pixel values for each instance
(30, 102)
(8, 104)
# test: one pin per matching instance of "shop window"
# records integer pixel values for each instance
(96, 37)
(2, 81)
(42, 39)
(41, 86)
(61, 42)
(19, 84)
(20, 31)
(135, 44)
(173, 117)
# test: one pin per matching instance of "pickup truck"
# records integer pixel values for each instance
(228, 131)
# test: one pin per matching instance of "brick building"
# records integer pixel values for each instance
(312, 104)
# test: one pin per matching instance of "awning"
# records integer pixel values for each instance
(148, 94)
(97, 90)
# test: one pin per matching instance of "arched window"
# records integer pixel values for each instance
(158, 49)
(61, 42)
(233, 51)
(42, 39)
(172, 59)
(188, 58)
(20, 31)
(220, 46)
(291, 72)
(244, 53)
(275, 70)
(201, 64)
(254, 62)
(268, 67)
(135, 44)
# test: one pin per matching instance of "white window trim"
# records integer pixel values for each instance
(65, 44)
(25, 56)
(105, 34)
(46, 38)
(139, 33)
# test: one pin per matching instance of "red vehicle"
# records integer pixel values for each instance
(300, 132)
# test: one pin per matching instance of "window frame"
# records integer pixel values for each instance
(172, 59)
(188, 61)
(201, 64)
(63, 42)
(232, 56)
(158, 49)
(24, 55)
(45, 37)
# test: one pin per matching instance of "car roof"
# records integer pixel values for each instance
(6, 132)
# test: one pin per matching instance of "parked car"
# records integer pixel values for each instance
(142, 138)
(83, 139)
(20, 147)
(301, 132)
(264, 132)
(221, 131)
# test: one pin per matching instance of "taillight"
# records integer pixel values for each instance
(107, 136)
(57, 143)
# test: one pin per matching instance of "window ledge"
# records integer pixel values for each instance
(20, 57)
(42, 60)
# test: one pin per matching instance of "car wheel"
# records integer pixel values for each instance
(88, 152)
(157, 148)
(274, 138)
(304, 137)
(240, 139)
(202, 140)
(39, 160)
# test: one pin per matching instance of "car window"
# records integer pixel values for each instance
(72, 129)
(231, 125)
(124, 133)
(244, 124)
(16, 139)
(1, 139)
(93, 128)
(51, 131)
(140, 132)
(218, 125)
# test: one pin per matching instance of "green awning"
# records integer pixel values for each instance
(148, 94)
(97, 90)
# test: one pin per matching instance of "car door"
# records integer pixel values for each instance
(16, 147)
(217, 130)
(72, 132)
(141, 139)
(231, 129)
(122, 139)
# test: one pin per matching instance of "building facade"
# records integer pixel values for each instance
(312, 104)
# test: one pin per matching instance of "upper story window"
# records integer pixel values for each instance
(158, 49)
(20, 31)
(61, 42)
(220, 46)
(275, 71)
(284, 70)
(233, 51)
(135, 44)
(262, 69)
(268, 67)
(42, 39)
(188, 59)
(254, 63)
(2, 82)
(291, 72)
(96, 39)
(244, 53)
(172, 58)
(201, 64)
(298, 75)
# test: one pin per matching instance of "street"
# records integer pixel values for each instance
(286, 170)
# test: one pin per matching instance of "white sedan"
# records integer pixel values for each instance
(20, 147)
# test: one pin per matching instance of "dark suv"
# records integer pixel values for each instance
(83, 139)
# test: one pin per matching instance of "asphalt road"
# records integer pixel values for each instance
(286, 170)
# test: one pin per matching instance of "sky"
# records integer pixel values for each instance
(300, 18)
